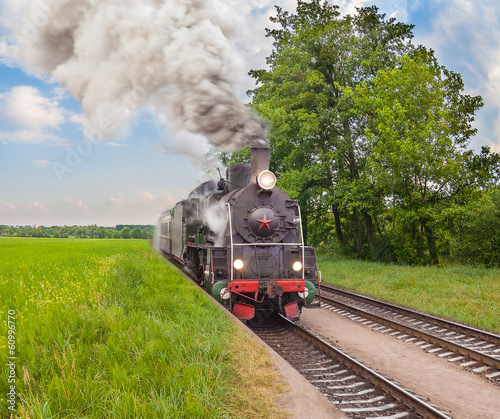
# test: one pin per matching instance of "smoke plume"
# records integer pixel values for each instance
(117, 56)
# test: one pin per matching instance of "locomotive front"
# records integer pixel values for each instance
(242, 240)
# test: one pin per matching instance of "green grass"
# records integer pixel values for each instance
(468, 294)
(106, 328)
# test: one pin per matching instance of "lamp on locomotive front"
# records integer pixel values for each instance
(266, 180)
(297, 266)
(238, 264)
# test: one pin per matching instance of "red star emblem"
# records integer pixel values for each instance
(265, 223)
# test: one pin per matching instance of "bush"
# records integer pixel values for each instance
(480, 237)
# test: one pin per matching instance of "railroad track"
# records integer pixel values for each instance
(474, 349)
(357, 390)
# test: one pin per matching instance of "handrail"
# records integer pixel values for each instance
(303, 245)
(231, 238)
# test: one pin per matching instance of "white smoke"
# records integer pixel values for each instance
(217, 220)
(117, 56)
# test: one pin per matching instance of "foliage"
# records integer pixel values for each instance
(136, 233)
(315, 136)
(120, 227)
(418, 125)
(126, 233)
(370, 134)
(82, 232)
(479, 240)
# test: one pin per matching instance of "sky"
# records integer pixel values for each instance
(54, 171)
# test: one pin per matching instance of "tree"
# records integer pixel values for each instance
(370, 133)
(81, 233)
(136, 233)
(117, 235)
(480, 238)
(315, 138)
(125, 233)
(147, 233)
(418, 126)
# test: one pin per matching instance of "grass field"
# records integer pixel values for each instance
(468, 294)
(107, 329)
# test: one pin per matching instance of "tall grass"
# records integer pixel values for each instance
(468, 294)
(106, 328)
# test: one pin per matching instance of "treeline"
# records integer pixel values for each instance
(120, 227)
(82, 232)
(370, 133)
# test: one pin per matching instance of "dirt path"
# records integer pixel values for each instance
(460, 393)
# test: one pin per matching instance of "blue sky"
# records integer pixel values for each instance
(50, 176)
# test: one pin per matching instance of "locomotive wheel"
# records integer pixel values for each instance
(267, 309)
(257, 320)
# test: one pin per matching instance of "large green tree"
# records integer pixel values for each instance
(418, 125)
(315, 138)
(370, 133)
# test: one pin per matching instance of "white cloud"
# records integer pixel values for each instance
(78, 119)
(466, 38)
(31, 117)
(77, 205)
(145, 197)
(117, 199)
(41, 163)
(37, 208)
(7, 212)
(60, 93)
(30, 137)
(24, 105)
(7, 52)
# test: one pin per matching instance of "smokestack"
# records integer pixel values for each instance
(259, 160)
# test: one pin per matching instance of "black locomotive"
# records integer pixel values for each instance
(241, 239)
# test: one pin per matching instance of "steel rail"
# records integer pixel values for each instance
(404, 396)
(449, 324)
(462, 350)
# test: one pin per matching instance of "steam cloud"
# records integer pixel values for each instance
(116, 56)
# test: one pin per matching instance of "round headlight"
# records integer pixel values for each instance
(266, 180)
(238, 264)
(297, 266)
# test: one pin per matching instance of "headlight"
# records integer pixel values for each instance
(297, 266)
(238, 264)
(266, 180)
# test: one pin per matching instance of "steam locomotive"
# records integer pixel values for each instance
(241, 239)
